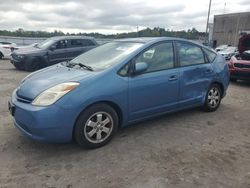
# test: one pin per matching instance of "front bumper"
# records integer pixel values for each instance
(240, 75)
(48, 124)
(16, 61)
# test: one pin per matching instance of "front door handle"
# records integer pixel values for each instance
(209, 71)
(173, 78)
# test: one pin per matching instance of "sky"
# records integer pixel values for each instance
(112, 16)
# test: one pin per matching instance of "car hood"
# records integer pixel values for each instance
(224, 53)
(28, 50)
(44, 79)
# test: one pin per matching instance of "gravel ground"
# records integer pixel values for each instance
(186, 149)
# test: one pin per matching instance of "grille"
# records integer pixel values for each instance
(242, 66)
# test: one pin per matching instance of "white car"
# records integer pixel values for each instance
(221, 47)
(228, 52)
(6, 49)
(26, 46)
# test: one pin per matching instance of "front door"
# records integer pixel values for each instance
(59, 52)
(156, 90)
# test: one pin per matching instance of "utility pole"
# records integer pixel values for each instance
(208, 14)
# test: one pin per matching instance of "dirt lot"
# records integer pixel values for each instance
(185, 149)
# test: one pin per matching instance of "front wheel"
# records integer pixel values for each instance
(32, 65)
(96, 126)
(213, 98)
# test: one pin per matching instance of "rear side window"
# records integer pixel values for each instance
(87, 42)
(210, 55)
(189, 54)
(76, 43)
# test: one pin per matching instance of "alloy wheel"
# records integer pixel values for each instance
(213, 97)
(98, 127)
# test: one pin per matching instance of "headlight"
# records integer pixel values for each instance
(20, 56)
(52, 94)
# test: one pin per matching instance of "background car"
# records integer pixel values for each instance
(25, 46)
(117, 84)
(5, 49)
(239, 66)
(221, 47)
(51, 51)
(228, 52)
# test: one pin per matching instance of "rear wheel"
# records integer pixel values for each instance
(1, 55)
(213, 98)
(96, 126)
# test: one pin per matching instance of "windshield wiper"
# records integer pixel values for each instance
(70, 64)
(85, 66)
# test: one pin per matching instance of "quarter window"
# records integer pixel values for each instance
(211, 55)
(189, 54)
(159, 57)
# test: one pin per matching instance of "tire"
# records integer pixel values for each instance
(233, 79)
(19, 66)
(32, 65)
(96, 126)
(213, 98)
(1, 55)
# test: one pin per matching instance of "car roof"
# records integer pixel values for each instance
(154, 39)
(70, 37)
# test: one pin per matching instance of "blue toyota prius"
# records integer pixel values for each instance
(88, 98)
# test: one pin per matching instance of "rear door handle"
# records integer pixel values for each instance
(173, 78)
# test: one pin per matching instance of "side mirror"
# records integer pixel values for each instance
(140, 67)
(52, 48)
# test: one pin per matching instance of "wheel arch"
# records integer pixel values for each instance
(114, 105)
(1, 55)
(220, 85)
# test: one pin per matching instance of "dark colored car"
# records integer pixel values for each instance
(51, 51)
(239, 67)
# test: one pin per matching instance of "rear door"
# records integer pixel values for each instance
(196, 73)
(156, 90)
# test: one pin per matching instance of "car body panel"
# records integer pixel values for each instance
(50, 56)
(239, 69)
(160, 87)
(135, 97)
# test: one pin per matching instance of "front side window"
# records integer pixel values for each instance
(189, 54)
(159, 57)
(62, 44)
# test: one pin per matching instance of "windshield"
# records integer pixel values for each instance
(45, 44)
(106, 55)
